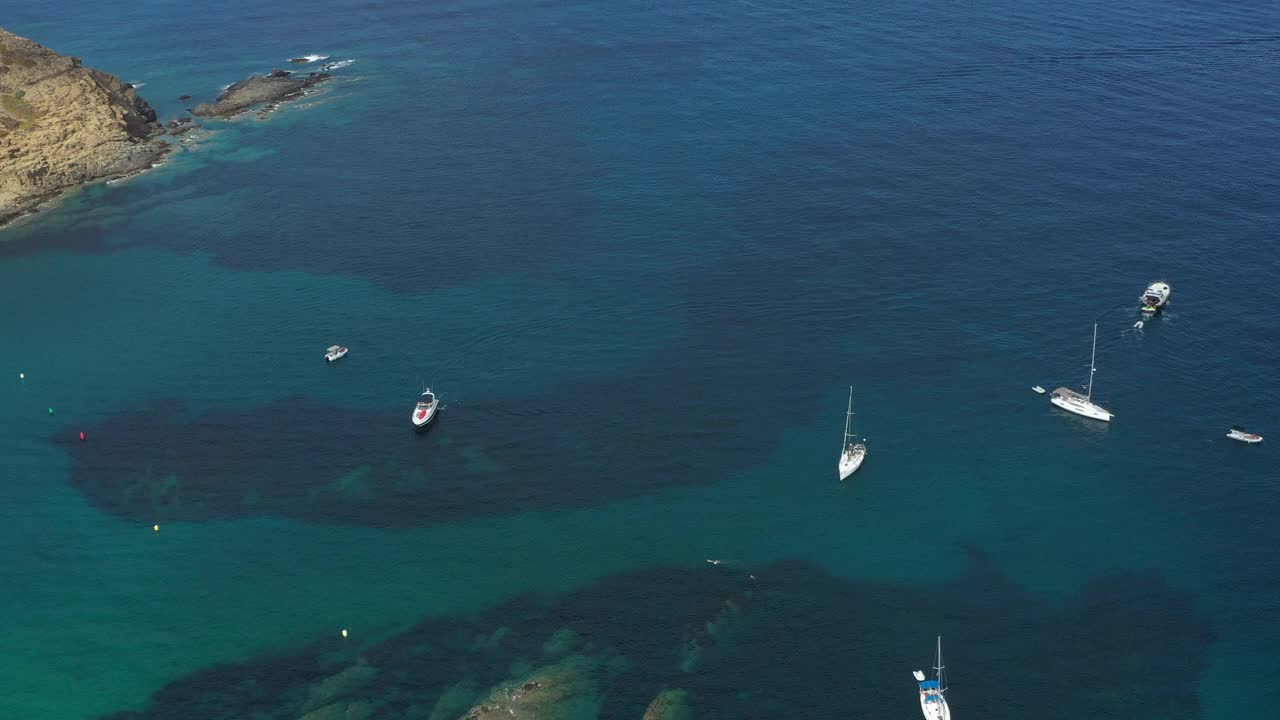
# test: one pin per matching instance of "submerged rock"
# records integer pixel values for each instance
(359, 710)
(276, 87)
(339, 686)
(561, 642)
(451, 704)
(63, 124)
(669, 705)
(567, 689)
(704, 641)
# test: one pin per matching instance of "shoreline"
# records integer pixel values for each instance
(34, 206)
(270, 95)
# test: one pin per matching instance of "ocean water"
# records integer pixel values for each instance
(642, 250)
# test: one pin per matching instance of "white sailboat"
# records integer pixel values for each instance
(852, 453)
(1073, 401)
(933, 693)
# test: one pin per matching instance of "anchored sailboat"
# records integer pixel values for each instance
(933, 693)
(852, 453)
(1073, 401)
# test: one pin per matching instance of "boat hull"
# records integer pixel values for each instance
(934, 709)
(330, 357)
(423, 417)
(1083, 409)
(1247, 438)
(1155, 298)
(850, 464)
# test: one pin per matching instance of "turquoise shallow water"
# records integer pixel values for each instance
(642, 250)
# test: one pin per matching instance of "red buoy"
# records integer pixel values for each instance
(82, 435)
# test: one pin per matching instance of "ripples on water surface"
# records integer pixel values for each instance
(642, 249)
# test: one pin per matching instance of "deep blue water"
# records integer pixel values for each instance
(642, 249)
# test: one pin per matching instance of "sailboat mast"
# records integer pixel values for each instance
(1093, 354)
(848, 417)
(938, 670)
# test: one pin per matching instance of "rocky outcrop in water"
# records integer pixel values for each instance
(567, 689)
(181, 125)
(275, 87)
(63, 124)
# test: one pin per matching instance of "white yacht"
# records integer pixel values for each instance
(425, 410)
(1238, 432)
(933, 693)
(1073, 401)
(334, 352)
(853, 453)
(1155, 298)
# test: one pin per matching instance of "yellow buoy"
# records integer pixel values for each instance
(344, 632)
(155, 528)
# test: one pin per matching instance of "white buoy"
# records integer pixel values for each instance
(22, 376)
(344, 632)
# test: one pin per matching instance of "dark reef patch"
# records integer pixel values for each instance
(798, 642)
(669, 422)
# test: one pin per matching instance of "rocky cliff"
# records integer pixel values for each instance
(63, 124)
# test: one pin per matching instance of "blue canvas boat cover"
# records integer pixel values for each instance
(929, 685)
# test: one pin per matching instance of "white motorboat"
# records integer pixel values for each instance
(1155, 298)
(1038, 390)
(1238, 432)
(334, 352)
(853, 453)
(933, 693)
(1073, 401)
(425, 410)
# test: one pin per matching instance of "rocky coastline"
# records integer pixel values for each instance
(63, 124)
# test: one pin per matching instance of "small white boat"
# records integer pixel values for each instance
(1155, 298)
(933, 693)
(1039, 390)
(425, 410)
(853, 453)
(1073, 401)
(334, 352)
(1238, 432)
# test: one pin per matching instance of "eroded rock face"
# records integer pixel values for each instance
(63, 124)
